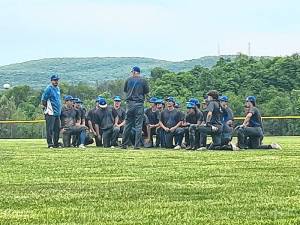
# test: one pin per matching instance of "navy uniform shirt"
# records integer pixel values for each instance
(255, 120)
(215, 108)
(170, 118)
(194, 118)
(227, 115)
(152, 116)
(105, 117)
(136, 88)
(69, 117)
(121, 114)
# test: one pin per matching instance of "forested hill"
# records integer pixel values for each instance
(90, 70)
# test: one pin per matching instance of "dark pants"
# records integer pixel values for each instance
(226, 134)
(74, 130)
(170, 136)
(216, 136)
(251, 138)
(160, 141)
(134, 119)
(107, 136)
(52, 130)
(194, 136)
(116, 132)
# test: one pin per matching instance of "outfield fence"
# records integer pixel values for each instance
(273, 126)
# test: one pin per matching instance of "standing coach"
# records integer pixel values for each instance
(135, 88)
(52, 110)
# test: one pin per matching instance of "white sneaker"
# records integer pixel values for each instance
(276, 146)
(234, 147)
(81, 146)
(112, 147)
(177, 147)
(202, 149)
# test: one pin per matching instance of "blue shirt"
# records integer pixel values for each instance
(51, 95)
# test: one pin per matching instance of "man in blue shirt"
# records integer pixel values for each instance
(52, 109)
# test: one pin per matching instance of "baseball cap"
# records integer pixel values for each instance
(223, 98)
(117, 98)
(68, 98)
(54, 77)
(190, 105)
(251, 99)
(170, 99)
(102, 103)
(159, 101)
(136, 69)
(153, 100)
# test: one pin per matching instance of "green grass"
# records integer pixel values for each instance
(98, 186)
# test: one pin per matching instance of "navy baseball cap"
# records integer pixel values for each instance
(102, 103)
(153, 100)
(223, 98)
(54, 77)
(170, 99)
(117, 98)
(251, 99)
(68, 98)
(136, 69)
(78, 101)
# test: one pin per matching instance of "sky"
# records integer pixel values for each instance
(163, 29)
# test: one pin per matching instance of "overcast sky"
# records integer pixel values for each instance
(169, 29)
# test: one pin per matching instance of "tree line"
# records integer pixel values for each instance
(274, 81)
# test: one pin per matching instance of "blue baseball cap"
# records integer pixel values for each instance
(78, 101)
(251, 99)
(68, 98)
(136, 69)
(177, 105)
(117, 98)
(159, 101)
(223, 98)
(190, 105)
(54, 77)
(195, 101)
(170, 99)
(102, 103)
(153, 100)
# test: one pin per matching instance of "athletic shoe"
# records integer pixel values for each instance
(276, 146)
(202, 149)
(177, 147)
(188, 148)
(234, 147)
(81, 146)
(112, 147)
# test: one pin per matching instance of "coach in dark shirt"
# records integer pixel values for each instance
(136, 88)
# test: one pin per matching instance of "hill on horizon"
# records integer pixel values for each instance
(36, 73)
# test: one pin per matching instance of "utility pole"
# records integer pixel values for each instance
(249, 49)
(219, 50)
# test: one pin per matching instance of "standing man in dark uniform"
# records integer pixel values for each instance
(119, 127)
(52, 109)
(136, 88)
(250, 133)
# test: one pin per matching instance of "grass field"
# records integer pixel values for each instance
(98, 186)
